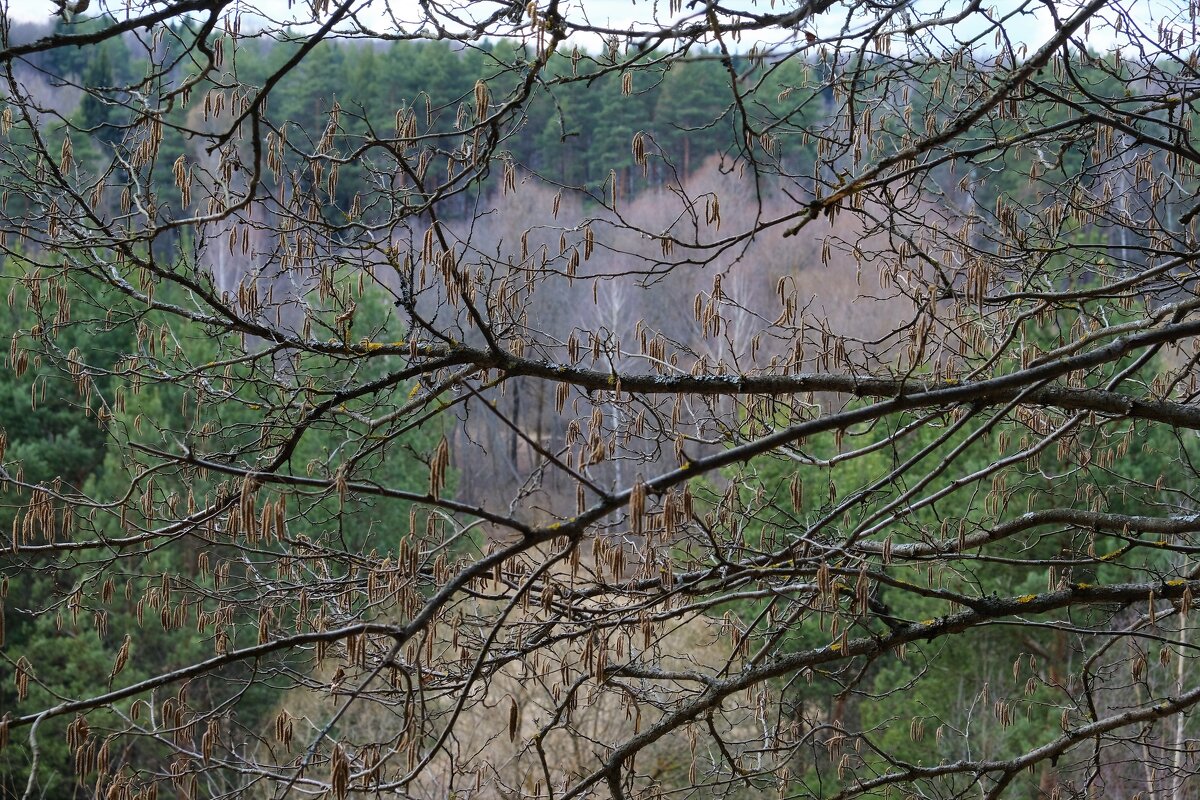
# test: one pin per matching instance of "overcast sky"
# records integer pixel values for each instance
(618, 13)
(601, 11)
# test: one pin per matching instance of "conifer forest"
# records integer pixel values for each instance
(599, 399)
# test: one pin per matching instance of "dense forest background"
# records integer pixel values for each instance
(637, 141)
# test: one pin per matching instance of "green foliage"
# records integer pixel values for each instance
(86, 443)
(993, 694)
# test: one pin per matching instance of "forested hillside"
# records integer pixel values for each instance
(481, 401)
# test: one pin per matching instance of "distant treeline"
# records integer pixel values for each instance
(579, 130)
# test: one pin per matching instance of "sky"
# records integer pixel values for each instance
(620, 13)
(616, 11)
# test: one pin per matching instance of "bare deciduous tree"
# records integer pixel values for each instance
(538, 435)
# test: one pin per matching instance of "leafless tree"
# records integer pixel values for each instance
(858, 461)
